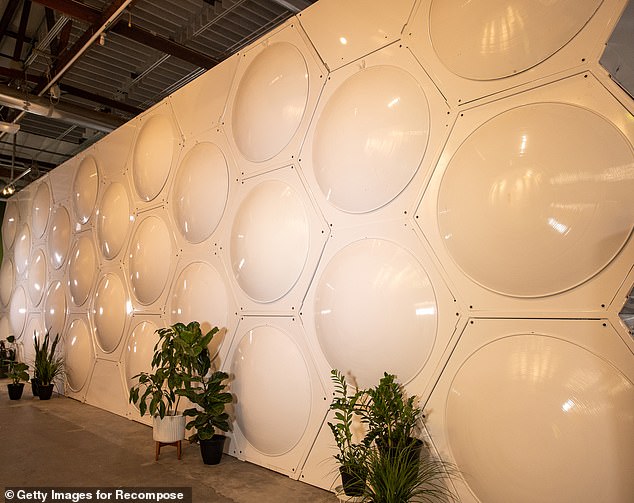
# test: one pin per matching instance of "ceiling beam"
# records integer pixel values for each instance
(7, 16)
(24, 20)
(145, 37)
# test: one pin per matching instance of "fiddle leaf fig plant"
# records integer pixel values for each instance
(174, 364)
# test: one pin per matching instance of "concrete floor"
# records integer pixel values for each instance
(62, 442)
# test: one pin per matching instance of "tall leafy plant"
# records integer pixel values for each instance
(174, 363)
(48, 365)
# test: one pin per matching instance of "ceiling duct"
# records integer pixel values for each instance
(66, 112)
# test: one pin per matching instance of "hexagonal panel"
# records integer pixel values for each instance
(7, 278)
(516, 397)
(156, 148)
(59, 237)
(150, 258)
(551, 218)
(345, 31)
(276, 238)
(200, 191)
(82, 269)
(85, 189)
(36, 276)
(55, 308)
(41, 209)
(80, 355)
(475, 50)
(113, 220)
(22, 249)
(17, 311)
(110, 310)
(279, 406)
(10, 224)
(276, 87)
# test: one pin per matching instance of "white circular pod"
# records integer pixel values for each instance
(22, 249)
(492, 39)
(270, 241)
(376, 311)
(36, 276)
(139, 351)
(113, 220)
(17, 311)
(79, 354)
(270, 102)
(273, 384)
(526, 211)
(376, 124)
(55, 308)
(34, 331)
(199, 293)
(7, 278)
(40, 210)
(5, 328)
(85, 189)
(59, 238)
(516, 411)
(201, 189)
(151, 252)
(110, 310)
(10, 223)
(82, 269)
(154, 151)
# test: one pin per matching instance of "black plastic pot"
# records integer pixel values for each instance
(211, 449)
(15, 390)
(352, 480)
(45, 391)
(35, 382)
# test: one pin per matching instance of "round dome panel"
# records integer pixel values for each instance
(85, 187)
(270, 241)
(516, 411)
(5, 328)
(79, 355)
(22, 250)
(270, 102)
(113, 220)
(200, 192)
(376, 124)
(150, 259)
(140, 351)
(10, 224)
(273, 383)
(17, 311)
(527, 211)
(59, 238)
(34, 330)
(37, 276)
(55, 308)
(372, 290)
(110, 311)
(492, 39)
(152, 158)
(81, 270)
(6, 280)
(40, 209)
(199, 293)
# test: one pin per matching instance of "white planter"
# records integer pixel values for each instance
(169, 429)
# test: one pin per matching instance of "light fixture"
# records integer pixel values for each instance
(9, 188)
(9, 127)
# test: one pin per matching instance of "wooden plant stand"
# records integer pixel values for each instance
(176, 444)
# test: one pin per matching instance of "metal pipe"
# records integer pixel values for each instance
(66, 112)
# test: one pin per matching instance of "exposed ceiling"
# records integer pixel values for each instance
(72, 71)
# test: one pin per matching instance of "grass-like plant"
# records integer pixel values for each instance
(48, 365)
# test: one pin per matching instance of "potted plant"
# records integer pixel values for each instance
(173, 366)
(352, 455)
(48, 365)
(392, 419)
(206, 390)
(7, 355)
(17, 372)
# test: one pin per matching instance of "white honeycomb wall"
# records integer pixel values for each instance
(433, 188)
